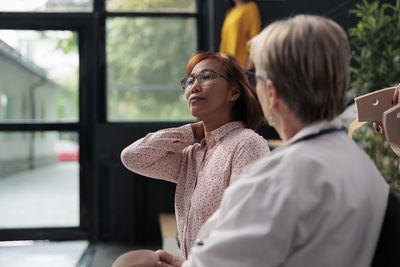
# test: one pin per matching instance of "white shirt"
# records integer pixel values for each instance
(311, 203)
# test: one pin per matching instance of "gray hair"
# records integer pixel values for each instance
(307, 57)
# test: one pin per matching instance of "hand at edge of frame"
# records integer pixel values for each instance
(168, 260)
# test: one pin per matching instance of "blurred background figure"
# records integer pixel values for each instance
(242, 22)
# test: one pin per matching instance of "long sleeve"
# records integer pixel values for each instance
(159, 154)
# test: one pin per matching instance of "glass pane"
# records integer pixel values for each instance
(40, 253)
(146, 59)
(47, 6)
(151, 5)
(39, 75)
(39, 179)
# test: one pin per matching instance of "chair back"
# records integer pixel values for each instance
(387, 253)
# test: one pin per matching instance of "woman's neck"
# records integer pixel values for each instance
(211, 125)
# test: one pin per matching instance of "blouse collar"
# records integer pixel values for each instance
(217, 134)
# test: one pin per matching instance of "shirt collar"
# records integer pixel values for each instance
(315, 127)
(217, 134)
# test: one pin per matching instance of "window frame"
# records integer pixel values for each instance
(197, 15)
(91, 30)
(78, 23)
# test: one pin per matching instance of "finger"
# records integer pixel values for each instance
(169, 258)
(165, 256)
(376, 126)
(163, 264)
(380, 129)
(396, 96)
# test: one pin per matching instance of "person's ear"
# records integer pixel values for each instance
(274, 96)
(235, 94)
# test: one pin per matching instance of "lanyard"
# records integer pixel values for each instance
(322, 132)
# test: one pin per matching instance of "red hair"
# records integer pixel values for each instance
(246, 108)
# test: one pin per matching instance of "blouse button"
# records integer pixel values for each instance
(199, 242)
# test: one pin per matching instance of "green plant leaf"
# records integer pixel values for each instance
(376, 57)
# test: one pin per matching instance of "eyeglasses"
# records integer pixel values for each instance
(251, 75)
(202, 77)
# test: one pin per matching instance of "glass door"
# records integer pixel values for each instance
(39, 170)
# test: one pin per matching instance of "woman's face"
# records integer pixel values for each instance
(211, 97)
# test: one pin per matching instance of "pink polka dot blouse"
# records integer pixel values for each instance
(173, 155)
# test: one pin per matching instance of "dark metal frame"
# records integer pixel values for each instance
(200, 5)
(92, 105)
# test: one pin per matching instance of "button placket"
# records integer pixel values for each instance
(184, 247)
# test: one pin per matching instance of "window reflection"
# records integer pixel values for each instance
(47, 6)
(146, 59)
(39, 74)
(153, 5)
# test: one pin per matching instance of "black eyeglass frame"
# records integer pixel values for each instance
(251, 75)
(183, 81)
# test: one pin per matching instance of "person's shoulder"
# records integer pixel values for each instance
(289, 159)
(320, 159)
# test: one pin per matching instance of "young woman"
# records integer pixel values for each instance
(203, 157)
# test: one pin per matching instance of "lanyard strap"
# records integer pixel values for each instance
(322, 132)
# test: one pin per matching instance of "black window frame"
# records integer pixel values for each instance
(80, 23)
(199, 15)
(91, 30)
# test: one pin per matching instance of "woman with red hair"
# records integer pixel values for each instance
(203, 157)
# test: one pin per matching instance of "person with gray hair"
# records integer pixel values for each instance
(317, 200)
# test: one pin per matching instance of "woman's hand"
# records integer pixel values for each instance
(395, 101)
(198, 130)
(168, 259)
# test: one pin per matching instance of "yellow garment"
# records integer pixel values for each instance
(240, 25)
